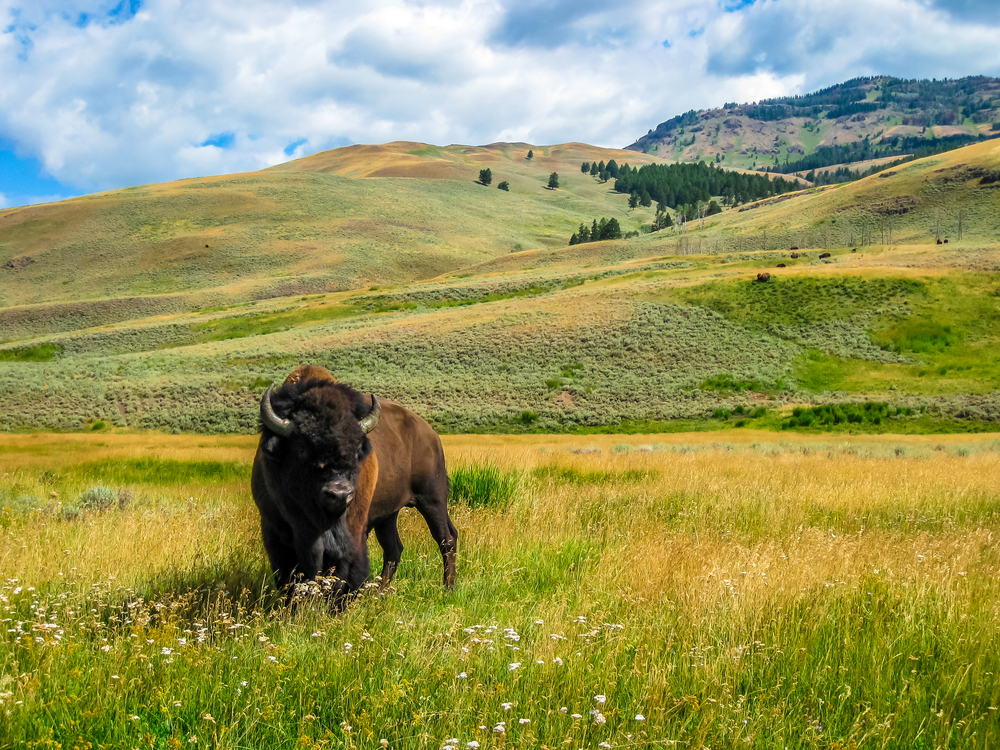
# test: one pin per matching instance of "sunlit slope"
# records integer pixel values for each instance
(955, 195)
(310, 227)
(509, 160)
(634, 344)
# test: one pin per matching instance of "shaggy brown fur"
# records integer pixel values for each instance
(325, 487)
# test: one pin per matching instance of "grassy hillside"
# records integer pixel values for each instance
(465, 303)
(307, 226)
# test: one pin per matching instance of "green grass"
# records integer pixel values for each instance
(800, 300)
(261, 324)
(162, 471)
(484, 485)
(40, 353)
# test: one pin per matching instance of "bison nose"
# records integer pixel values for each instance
(339, 493)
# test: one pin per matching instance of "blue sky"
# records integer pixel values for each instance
(102, 94)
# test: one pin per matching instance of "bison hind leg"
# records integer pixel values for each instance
(444, 533)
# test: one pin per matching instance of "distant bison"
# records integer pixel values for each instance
(333, 465)
(781, 265)
(793, 247)
(795, 255)
(939, 241)
(824, 255)
(763, 278)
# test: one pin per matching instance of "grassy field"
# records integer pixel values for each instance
(707, 590)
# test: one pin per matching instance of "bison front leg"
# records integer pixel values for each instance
(392, 547)
(309, 551)
(282, 557)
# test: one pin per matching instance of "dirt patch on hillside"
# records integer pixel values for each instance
(18, 263)
(894, 206)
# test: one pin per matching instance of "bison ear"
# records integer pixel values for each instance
(364, 449)
(272, 445)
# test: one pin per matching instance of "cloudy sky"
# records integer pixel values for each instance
(101, 94)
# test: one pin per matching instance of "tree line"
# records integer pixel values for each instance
(674, 185)
(605, 229)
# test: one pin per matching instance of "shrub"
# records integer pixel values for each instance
(98, 498)
(484, 485)
(70, 512)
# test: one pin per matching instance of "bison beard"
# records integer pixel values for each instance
(331, 467)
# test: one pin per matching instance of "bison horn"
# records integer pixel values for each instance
(369, 422)
(271, 420)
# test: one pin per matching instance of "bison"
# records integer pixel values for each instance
(332, 466)
(763, 278)
(781, 265)
(795, 255)
(824, 255)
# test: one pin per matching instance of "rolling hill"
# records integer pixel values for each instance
(172, 306)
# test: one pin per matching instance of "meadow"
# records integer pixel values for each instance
(729, 589)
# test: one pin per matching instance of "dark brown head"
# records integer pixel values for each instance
(313, 439)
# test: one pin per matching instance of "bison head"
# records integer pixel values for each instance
(315, 436)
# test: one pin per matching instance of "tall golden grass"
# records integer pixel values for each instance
(731, 592)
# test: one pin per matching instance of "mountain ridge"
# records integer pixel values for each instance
(878, 111)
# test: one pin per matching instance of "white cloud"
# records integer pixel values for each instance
(107, 101)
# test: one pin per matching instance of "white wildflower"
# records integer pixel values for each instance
(524, 721)
(640, 717)
(514, 665)
(600, 698)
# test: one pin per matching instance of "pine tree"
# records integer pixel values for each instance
(585, 167)
(554, 181)
(531, 154)
(485, 176)
(593, 169)
(504, 186)
(633, 200)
